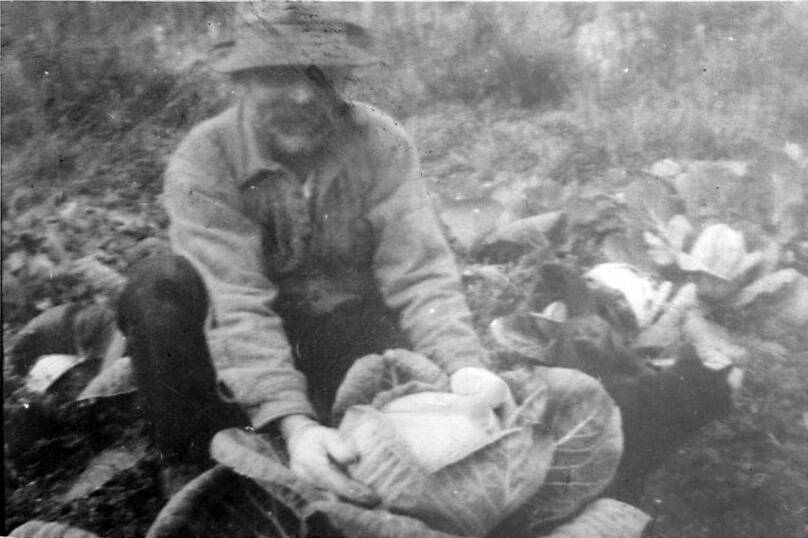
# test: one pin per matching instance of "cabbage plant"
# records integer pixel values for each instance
(442, 464)
(728, 276)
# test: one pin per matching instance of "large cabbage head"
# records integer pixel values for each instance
(451, 462)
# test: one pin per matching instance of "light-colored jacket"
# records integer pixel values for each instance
(362, 223)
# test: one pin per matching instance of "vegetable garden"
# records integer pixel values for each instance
(660, 150)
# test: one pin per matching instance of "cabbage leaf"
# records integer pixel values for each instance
(378, 379)
(359, 522)
(37, 528)
(587, 446)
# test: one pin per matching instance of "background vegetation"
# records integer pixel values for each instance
(501, 98)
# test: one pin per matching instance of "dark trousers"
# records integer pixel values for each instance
(162, 311)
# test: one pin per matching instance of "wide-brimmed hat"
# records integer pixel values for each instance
(294, 40)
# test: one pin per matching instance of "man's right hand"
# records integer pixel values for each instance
(319, 455)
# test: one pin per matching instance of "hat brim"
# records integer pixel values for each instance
(247, 54)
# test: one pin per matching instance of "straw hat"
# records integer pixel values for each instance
(298, 38)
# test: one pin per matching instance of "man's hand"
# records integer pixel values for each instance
(484, 385)
(319, 454)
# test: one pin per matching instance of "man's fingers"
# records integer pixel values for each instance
(342, 452)
(343, 486)
(318, 456)
(327, 475)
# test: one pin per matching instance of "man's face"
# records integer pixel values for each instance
(290, 109)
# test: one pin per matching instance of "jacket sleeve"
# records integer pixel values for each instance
(413, 264)
(246, 338)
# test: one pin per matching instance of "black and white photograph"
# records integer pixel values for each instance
(294, 269)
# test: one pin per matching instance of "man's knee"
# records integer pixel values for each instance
(163, 283)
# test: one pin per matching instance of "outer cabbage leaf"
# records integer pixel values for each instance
(787, 317)
(49, 529)
(585, 426)
(359, 522)
(713, 344)
(530, 390)
(112, 381)
(375, 375)
(255, 457)
(104, 467)
(48, 370)
(49, 332)
(222, 504)
(720, 251)
(771, 288)
(604, 518)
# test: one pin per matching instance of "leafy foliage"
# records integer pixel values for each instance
(376, 379)
(44, 529)
(587, 443)
(104, 467)
(220, 503)
(699, 83)
(603, 518)
(59, 252)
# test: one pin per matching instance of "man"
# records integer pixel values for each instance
(305, 239)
